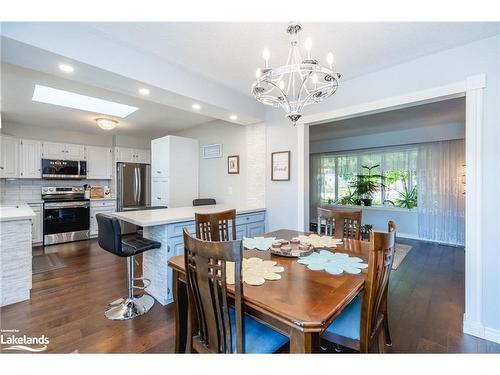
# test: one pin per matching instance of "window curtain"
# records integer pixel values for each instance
(441, 198)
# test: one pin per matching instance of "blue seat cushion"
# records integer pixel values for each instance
(259, 339)
(347, 324)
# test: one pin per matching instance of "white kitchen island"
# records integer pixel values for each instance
(15, 253)
(165, 226)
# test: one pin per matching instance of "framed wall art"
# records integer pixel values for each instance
(280, 166)
(233, 164)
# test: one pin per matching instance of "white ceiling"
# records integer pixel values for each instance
(439, 113)
(229, 53)
(151, 120)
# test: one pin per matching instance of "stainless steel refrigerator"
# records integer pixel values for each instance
(133, 190)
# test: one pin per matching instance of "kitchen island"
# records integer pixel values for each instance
(166, 225)
(15, 253)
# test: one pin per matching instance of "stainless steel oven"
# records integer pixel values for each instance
(64, 169)
(66, 215)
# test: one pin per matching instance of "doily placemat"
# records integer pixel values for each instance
(259, 243)
(320, 241)
(255, 271)
(333, 263)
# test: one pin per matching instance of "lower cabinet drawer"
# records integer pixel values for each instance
(176, 228)
(250, 218)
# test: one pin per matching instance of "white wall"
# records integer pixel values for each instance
(430, 71)
(408, 136)
(246, 141)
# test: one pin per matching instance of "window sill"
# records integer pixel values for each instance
(375, 208)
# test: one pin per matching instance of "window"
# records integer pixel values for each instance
(333, 176)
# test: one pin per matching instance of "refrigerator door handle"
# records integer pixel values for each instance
(139, 187)
(136, 187)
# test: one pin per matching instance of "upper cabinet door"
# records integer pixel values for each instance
(160, 157)
(75, 152)
(52, 150)
(99, 163)
(30, 158)
(9, 157)
(125, 155)
(143, 156)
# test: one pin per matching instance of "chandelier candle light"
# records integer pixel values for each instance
(297, 83)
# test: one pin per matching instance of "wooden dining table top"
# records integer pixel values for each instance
(308, 299)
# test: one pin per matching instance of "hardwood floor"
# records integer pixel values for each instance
(426, 305)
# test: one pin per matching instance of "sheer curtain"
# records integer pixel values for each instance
(441, 198)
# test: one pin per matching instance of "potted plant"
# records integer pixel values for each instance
(366, 184)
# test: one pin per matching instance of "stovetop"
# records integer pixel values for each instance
(63, 194)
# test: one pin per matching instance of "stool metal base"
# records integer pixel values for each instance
(129, 308)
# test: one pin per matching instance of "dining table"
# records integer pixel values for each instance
(300, 305)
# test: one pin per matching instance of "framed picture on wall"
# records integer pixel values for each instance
(233, 164)
(280, 166)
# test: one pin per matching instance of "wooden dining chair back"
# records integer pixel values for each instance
(217, 226)
(376, 283)
(347, 224)
(326, 215)
(205, 263)
(391, 227)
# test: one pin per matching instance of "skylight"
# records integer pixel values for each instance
(50, 95)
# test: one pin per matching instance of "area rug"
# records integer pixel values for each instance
(399, 254)
(47, 263)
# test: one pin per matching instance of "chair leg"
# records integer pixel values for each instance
(387, 334)
(381, 341)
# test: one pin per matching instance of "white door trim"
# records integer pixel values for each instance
(472, 88)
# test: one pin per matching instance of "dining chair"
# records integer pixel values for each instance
(360, 324)
(391, 227)
(326, 215)
(347, 224)
(217, 226)
(217, 326)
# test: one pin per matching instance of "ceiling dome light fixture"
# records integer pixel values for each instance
(196, 106)
(233, 117)
(106, 123)
(66, 68)
(143, 91)
(296, 84)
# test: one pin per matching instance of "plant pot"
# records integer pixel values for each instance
(358, 202)
(367, 201)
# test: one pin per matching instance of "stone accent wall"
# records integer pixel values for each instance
(154, 265)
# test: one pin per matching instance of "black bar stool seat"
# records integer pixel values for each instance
(110, 239)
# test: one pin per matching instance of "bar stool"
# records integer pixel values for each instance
(110, 239)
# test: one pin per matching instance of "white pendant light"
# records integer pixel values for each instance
(106, 123)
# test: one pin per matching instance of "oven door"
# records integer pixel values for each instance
(63, 169)
(66, 221)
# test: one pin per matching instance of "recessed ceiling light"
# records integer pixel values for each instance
(196, 106)
(143, 91)
(66, 68)
(50, 95)
(106, 123)
(233, 117)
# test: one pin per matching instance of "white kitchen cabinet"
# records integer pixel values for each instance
(174, 170)
(63, 151)
(75, 152)
(9, 157)
(30, 158)
(131, 155)
(160, 157)
(160, 192)
(99, 163)
(37, 223)
(99, 207)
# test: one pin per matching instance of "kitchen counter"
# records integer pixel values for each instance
(15, 253)
(103, 199)
(166, 226)
(148, 218)
(12, 212)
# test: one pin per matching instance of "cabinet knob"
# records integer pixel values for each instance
(158, 172)
(158, 198)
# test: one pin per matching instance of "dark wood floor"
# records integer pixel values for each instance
(426, 304)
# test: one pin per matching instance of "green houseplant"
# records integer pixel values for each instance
(366, 184)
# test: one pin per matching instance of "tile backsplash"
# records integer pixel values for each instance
(25, 190)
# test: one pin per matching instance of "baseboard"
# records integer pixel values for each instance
(412, 236)
(479, 330)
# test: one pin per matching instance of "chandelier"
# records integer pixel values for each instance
(296, 84)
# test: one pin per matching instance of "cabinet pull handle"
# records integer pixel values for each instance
(158, 171)
(158, 198)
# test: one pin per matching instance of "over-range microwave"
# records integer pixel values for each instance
(64, 169)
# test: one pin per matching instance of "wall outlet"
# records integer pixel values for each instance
(230, 190)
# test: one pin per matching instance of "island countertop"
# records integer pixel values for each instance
(11, 212)
(148, 218)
